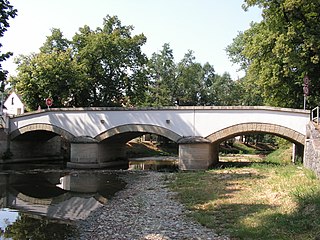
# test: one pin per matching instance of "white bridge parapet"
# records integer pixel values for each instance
(183, 121)
(198, 131)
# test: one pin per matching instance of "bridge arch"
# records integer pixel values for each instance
(42, 127)
(253, 127)
(138, 128)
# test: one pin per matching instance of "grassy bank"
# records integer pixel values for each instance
(269, 199)
(147, 149)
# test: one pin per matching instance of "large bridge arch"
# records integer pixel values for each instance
(42, 127)
(40, 141)
(138, 128)
(253, 127)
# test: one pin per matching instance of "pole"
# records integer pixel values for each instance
(1, 107)
(306, 82)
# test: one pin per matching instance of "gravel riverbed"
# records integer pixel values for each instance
(145, 209)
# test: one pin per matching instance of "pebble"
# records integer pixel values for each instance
(145, 210)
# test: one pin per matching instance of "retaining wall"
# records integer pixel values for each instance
(312, 149)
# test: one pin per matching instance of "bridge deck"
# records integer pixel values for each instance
(173, 122)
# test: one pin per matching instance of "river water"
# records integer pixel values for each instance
(43, 201)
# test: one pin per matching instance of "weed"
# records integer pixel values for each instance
(273, 199)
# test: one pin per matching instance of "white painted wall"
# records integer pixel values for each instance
(14, 105)
(185, 121)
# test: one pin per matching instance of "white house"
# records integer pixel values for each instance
(13, 105)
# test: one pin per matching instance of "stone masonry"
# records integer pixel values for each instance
(312, 149)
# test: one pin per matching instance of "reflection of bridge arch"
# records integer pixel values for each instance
(138, 128)
(247, 128)
(42, 127)
(63, 197)
(66, 206)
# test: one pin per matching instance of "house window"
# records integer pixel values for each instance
(12, 101)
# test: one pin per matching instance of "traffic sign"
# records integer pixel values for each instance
(306, 83)
(306, 80)
(49, 102)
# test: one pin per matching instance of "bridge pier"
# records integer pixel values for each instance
(297, 152)
(88, 153)
(196, 153)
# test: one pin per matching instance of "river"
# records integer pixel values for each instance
(40, 201)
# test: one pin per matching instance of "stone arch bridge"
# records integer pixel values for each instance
(95, 137)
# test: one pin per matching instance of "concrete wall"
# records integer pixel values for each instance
(198, 156)
(88, 153)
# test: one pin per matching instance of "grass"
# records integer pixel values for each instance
(269, 199)
(241, 148)
(147, 149)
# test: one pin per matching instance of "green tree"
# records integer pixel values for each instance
(162, 77)
(207, 79)
(280, 50)
(53, 72)
(184, 83)
(104, 67)
(27, 227)
(6, 12)
(114, 63)
(56, 42)
(191, 81)
(247, 93)
(54, 75)
(223, 91)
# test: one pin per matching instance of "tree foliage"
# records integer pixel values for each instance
(105, 67)
(114, 62)
(162, 78)
(7, 11)
(187, 82)
(280, 50)
(55, 75)
(28, 227)
(225, 92)
(102, 67)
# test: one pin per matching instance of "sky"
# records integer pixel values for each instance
(206, 27)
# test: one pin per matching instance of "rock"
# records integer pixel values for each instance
(145, 209)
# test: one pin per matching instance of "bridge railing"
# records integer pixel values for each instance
(315, 115)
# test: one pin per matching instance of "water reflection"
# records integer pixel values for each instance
(28, 226)
(52, 200)
(154, 163)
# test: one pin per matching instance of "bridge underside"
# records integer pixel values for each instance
(108, 148)
(249, 128)
(202, 154)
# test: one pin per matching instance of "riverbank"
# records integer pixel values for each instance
(146, 209)
(267, 199)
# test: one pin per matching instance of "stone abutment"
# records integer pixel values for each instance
(312, 149)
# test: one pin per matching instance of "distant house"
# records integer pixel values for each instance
(13, 105)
